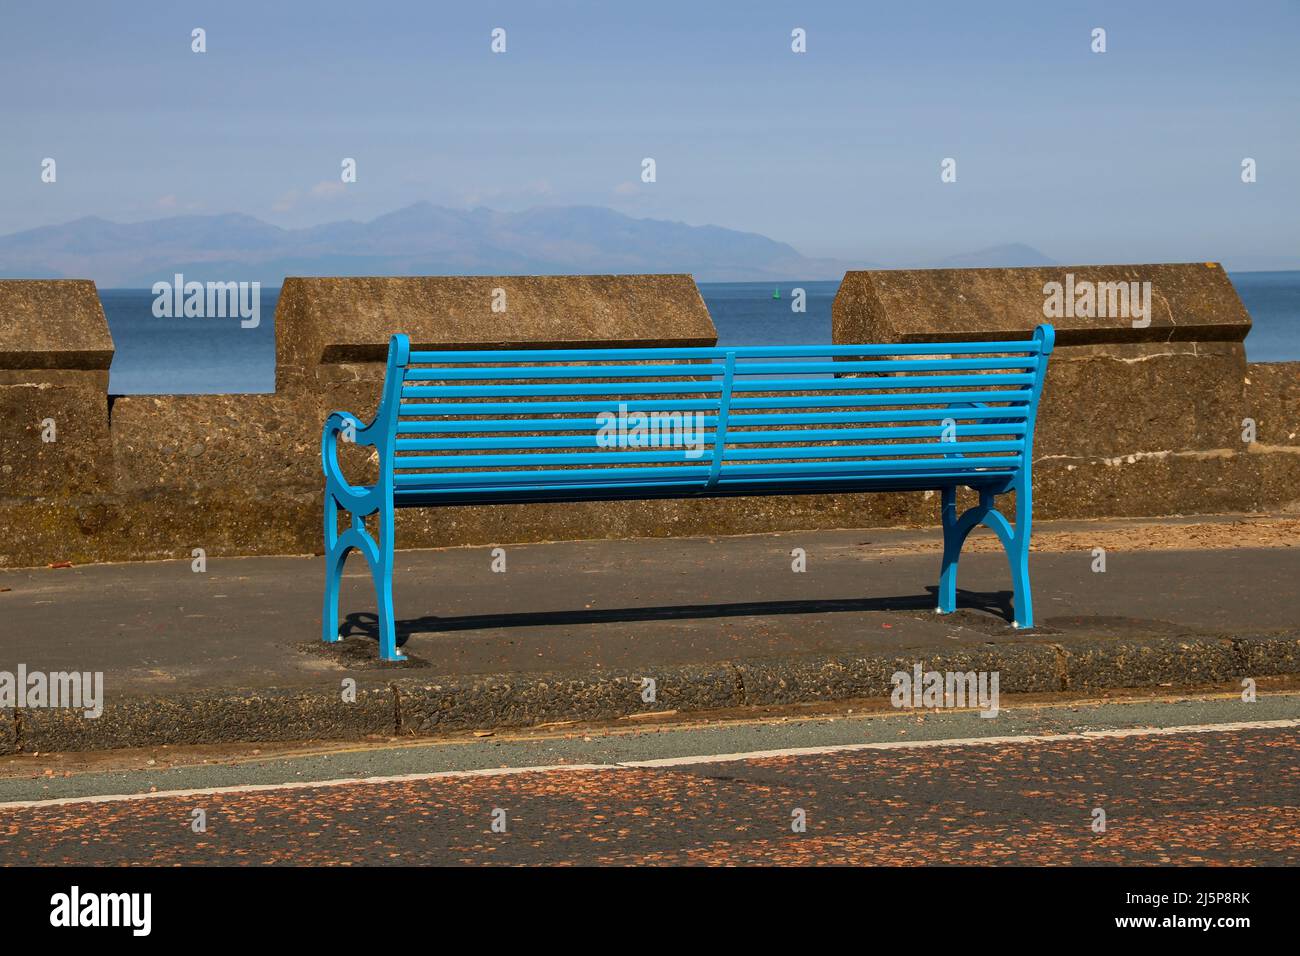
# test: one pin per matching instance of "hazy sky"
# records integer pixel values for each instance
(1130, 155)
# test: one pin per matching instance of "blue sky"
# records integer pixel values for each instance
(1130, 155)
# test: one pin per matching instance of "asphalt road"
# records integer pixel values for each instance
(1179, 782)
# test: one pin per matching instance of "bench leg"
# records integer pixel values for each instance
(382, 571)
(1022, 603)
(955, 532)
(1018, 554)
(1015, 541)
(379, 558)
(334, 558)
(951, 552)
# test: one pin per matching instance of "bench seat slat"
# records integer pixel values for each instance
(611, 456)
(892, 415)
(902, 364)
(902, 450)
(414, 409)
(577, 388)
(516, 441)
(953, 468)
(452, 357)
(452, 426)
(443, 374)
(642, 370)
(901, 382)
(733, 437)
(630, 473)
(459, 425)
(614, 456)
(848, 401)
(783, 485)
(948, 466)
(411, 409)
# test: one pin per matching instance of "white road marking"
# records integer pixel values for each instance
(303, 785)
(665, 762)
(960, 742)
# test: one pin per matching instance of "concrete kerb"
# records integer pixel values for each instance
(412, 706)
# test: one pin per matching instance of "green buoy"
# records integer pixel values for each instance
(776, 293)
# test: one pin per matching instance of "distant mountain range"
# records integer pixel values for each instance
(1015, 255)
(424, 239)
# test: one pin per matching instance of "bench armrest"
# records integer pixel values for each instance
(380, 434)
(339, 422)
(355, 499)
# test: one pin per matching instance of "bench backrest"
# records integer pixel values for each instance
(590, 421)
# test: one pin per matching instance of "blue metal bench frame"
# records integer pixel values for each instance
(505, 403)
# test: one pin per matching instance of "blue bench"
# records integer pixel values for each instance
(556, 425)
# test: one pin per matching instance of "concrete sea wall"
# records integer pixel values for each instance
(1136, 420)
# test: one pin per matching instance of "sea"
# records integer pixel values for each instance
(159, 356)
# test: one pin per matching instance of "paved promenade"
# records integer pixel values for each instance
(571, 630)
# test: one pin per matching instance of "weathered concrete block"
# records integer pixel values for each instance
(1158, 484)
(1277, 477)
(1097, 405)
(213, 441)
(337, 329)
(79, 458)
(55, 351)
(163, 524)
(1135, 419)
(1190, 303)
(1273, 400)
(56, 325)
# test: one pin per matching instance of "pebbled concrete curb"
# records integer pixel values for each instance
(419, 706)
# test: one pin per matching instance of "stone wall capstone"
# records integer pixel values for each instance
(336, 329)
(1143, 409)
